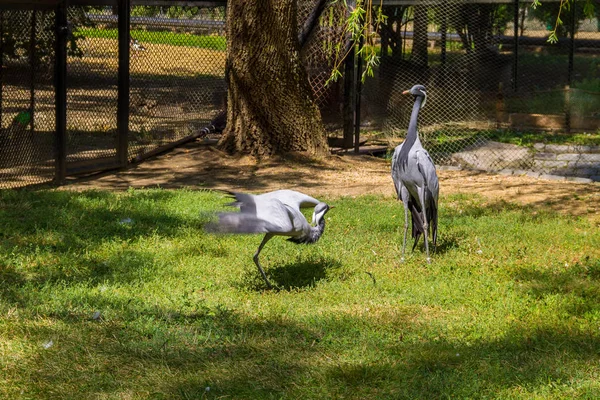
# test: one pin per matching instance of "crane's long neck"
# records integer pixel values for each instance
(317, 231)
(411, 134)
(313, 235)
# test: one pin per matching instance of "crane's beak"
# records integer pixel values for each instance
(406, 92)
(331, 207)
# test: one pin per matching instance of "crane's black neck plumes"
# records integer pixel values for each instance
(313, 236)
(411, 134)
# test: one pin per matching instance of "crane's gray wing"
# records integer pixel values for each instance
(300, 225)
(291, 198)
(427, 169)
(255, 216)
(396, 174)
(245, 202)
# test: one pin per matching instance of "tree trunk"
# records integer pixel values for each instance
(270, 109)
(419, 50)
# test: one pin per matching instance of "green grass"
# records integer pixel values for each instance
(508, 309)
(161, 37)
(530, 138)
(455, 139)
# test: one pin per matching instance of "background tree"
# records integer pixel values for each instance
(553, 15)
(419, 47)
(270, 108)
(16, 36)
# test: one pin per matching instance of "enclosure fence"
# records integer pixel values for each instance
(493, 81)
(91, 85)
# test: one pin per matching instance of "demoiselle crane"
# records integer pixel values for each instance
(415, 179)
(274, 214)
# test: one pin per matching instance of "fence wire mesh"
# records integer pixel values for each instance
(177, 73)
(486, 95)
(319, 56)
(26, 98)
(92, 79)
(489, 92)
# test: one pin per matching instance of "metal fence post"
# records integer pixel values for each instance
(349, 94)
(123, 82)
(1, 64)
(60, 92)
(358, 75)
(32, 56)
(348, 113)
(570, 69)
(515, 70)
(443, 37)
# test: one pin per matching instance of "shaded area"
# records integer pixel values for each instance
(54, 230)
(198, 166)
(301, 273)
(323, 336)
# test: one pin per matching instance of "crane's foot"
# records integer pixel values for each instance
(428, 260)
(402, 259)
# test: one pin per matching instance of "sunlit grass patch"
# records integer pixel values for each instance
(123, 295)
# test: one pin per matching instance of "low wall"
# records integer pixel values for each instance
(551, 161)
(567, 160)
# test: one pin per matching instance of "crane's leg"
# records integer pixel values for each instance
(422, 192)
(404, 195)
(267, 237)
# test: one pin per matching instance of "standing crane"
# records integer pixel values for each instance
(274, 214)
(415, 179)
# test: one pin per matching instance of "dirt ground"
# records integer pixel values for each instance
(197, 165)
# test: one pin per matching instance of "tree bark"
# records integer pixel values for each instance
(270, 108)
(419, 49)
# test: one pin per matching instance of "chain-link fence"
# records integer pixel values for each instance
(26, 97)
(491, 77)
(492, 80)
(319, 56)
(174, 82)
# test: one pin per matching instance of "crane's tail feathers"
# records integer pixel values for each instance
(229, 193)
(417, 218)
(237, 223)
(418, 223)
(432, 218)
(301, 240)
(417, 237)
(240, 199)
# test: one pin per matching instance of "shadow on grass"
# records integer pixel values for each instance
(579, 283)
(45, 234)
(245, 357)
(302, 273)
(178, 350)
(524, 363)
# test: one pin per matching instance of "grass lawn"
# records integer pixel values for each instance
(122, 295)
(160, 37)
(530, 138)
